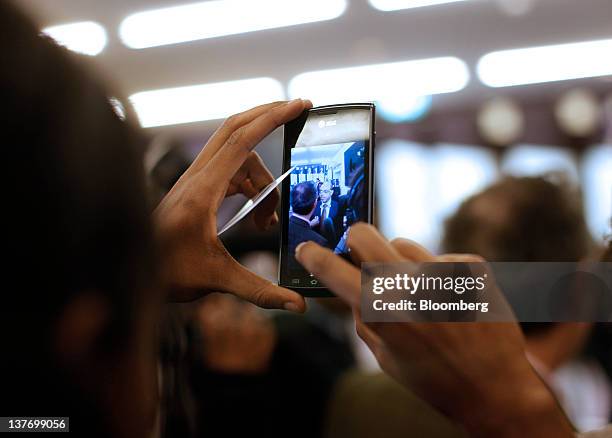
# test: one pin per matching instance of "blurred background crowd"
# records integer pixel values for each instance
(498, 106)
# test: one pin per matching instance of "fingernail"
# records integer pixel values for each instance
(295, 101)
(298, 248)
(292, 307)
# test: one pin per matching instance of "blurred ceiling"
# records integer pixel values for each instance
(362, 35)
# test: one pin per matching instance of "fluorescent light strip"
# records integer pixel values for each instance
(546, 64)
(85, 37)
(221, 17)
(196, 103)
(395, 5)
(382, 82)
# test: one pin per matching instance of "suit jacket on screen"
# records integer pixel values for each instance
(300, 231)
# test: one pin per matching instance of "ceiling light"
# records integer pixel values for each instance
(536, 160)
(579, 113)
(394, 5)
(501, 121)
(196, 103)
(546, 64)
(221, 17)
(382, 82)
(85, 37)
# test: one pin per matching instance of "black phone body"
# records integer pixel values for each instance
(331, 149)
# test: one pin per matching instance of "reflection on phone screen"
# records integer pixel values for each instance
(323, 187)
(328, 186)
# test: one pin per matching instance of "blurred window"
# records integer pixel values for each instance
(402, 184)
(596, 171)
(461, 171)
(535, 160)
(418, 186)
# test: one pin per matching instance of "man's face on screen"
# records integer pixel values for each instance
(325, 192)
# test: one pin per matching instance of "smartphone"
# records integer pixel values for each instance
(330, 149)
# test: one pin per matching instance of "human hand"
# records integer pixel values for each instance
(238, 339)
(196, 262)
(314, 222)
(476, 373)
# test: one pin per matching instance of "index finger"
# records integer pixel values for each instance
(230, 124)
(338, 275)
(412, 250)
(237, 147)
(368, 245)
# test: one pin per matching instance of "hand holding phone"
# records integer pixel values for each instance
(330, 187)
(195, 260)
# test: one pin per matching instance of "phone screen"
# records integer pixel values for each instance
(329, 189)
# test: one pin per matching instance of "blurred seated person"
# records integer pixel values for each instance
(303, 204)
(270, 364)
(534, 220)
(328, 220)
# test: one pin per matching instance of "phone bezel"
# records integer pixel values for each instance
(369, 176)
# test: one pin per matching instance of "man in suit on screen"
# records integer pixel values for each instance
(303, 205)
(329, 222)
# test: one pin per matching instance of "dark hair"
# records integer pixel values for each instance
(607, 255)
(520, 219)
(526, 219)
(78, 220)
(303, 197)
(356, 206)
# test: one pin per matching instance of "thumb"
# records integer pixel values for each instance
(244, 284)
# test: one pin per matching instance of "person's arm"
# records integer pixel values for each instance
(195, 261)
(476, 373)
(527, 409)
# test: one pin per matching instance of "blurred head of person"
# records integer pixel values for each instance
(304, 199)
(78, 320)
(237, 338)
(527, 219)
(325, 191)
